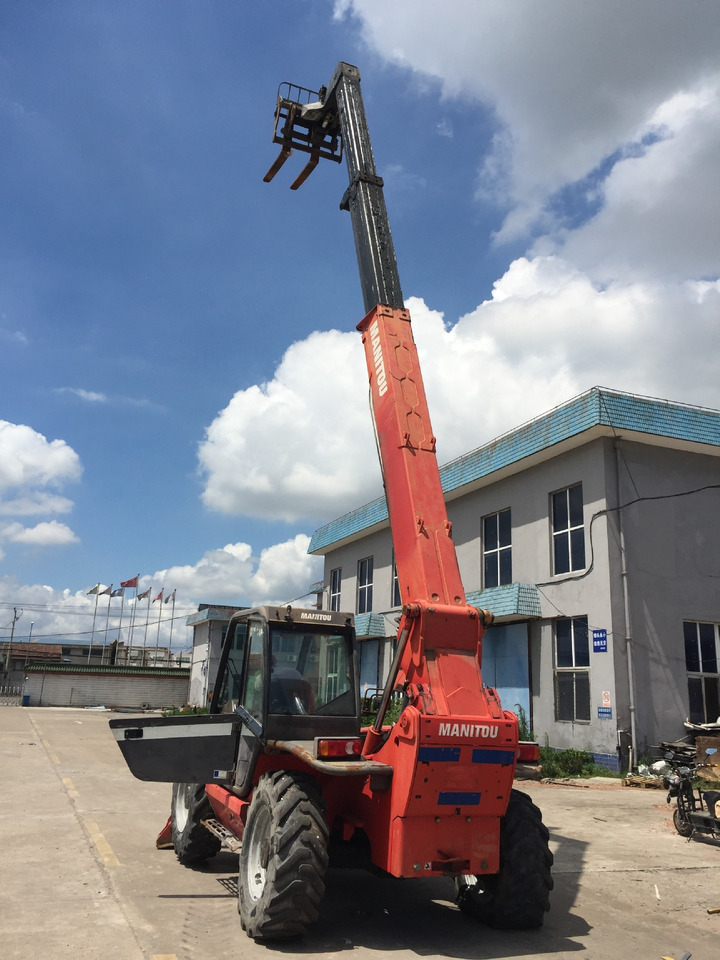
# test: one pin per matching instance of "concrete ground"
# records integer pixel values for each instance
(82, 879)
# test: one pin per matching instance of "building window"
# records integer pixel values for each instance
(396, 598)
(568, 530)
(365, 585)
(335, 582)
(702, 645)
(572, 669)
(497, 550)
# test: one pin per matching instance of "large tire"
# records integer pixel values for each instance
(283, 858)
(684, 828)
(518, 896)
(191, 840)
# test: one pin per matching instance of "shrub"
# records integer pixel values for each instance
(524, 731)
(566, 763)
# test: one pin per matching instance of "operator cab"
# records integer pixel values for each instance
(290, 673)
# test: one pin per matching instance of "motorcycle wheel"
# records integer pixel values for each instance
(681, 825)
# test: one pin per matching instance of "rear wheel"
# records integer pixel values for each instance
(681, 825)
(191, 840)
(518, 896)
(283, 858)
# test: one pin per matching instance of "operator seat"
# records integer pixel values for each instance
(291, 695)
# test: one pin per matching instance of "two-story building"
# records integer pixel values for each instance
(593, 534)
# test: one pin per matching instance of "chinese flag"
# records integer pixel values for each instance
(130, 583)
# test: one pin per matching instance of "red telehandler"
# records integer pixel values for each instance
(281, 769)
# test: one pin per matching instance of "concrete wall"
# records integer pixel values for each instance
(673, 557)
(111, 690)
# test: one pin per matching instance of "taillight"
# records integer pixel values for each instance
(528, 752)
(339, 749)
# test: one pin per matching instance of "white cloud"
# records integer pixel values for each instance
(35, 502)
(285, 571)
(29, 464)
(116, 400)
(657, 218)
(13, 336)
(233, 575)
(286, 449)
(49, 533)
(570, 83)
(301, 447)
(91, 396)
(28, 459)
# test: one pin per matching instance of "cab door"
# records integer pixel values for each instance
(185, 749)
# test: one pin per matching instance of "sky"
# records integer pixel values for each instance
(183, 393)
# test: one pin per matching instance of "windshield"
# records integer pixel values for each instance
(311, 673)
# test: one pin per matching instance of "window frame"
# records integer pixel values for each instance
(574, 545)
(365, 575)
(703, 670)
(335, 589)
(577, 670)
(500, 552)
(395, 594)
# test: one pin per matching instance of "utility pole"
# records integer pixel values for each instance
(8, 656)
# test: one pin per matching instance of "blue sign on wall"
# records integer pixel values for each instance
(604, 713)
(599, 641)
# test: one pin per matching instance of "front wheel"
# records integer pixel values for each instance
(518, 895)
(192, 841)
(681, 824)
(283, 858)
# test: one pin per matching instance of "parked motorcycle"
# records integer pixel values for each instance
(692, 814)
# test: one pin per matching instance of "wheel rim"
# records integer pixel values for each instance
(181, 808)
(257, 858)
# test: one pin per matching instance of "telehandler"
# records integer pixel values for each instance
(281, 769)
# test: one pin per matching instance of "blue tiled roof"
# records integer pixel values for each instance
(596, 407)
(370, 625)
(521, 600)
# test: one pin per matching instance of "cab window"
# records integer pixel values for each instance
(232, 680)
(252, 698)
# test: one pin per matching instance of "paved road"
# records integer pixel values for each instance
(82, 880)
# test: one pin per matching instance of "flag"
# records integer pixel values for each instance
(96, 591)
(130, 583)
(120, 592)
(144, 596)
(107, 592)
(169, 597)
(159, 596)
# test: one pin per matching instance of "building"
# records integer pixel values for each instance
(592, 534)
(209, 625)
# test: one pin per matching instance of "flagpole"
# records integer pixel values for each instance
(107, 621)
(157, 638)
(133, 585)
(122, 604)
(172, 622)
(92, 636)
(132, 618)
(147, 616)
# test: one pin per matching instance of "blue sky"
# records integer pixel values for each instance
(183, 389)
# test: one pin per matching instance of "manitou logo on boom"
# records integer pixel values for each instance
(380, 374)
(467, 730)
